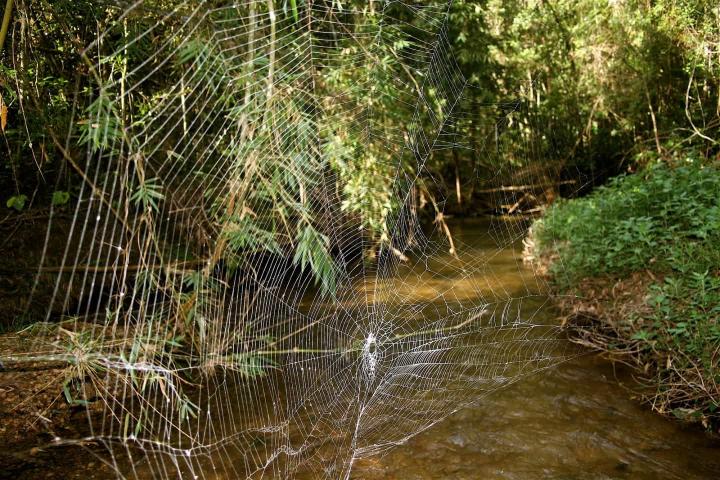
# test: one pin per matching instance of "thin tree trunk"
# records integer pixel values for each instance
(271, 54)
(654, 122)
(5, 23)
(689, 116)
(249, 64)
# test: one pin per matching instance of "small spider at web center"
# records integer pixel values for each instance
(370, 355)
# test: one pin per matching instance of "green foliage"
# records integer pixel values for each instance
(572, 83)
(60, 198)
(596, 79)
(187, 409)
(587, 75)
(366, 179)
(147, 194)
(17, 202)
(69, 388)
(686, 318)
(681, 337)
(102, 125)
(248, 365)
(663, 218)
(245, 235)
(666, 220)
(312, 251)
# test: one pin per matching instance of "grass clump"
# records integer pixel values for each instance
(665, 223)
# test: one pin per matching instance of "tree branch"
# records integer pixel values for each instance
(5, 23)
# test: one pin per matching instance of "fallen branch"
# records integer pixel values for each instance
(518, 188)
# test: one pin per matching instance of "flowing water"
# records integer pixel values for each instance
(575, 421)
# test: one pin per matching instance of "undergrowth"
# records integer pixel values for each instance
(664, 221)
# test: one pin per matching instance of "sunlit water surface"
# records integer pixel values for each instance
(575, 421)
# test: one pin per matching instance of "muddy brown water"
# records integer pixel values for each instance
(575, 421)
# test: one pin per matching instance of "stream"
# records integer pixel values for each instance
(575, 421)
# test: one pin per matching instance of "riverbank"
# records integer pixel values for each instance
(564, 422)
(39, 404)
(636, 266)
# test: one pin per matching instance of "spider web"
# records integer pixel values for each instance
(209, 362)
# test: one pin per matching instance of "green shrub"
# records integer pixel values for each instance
(666, 219)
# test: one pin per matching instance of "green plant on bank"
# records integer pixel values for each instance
(665, 219)
(17, 202)
(660, 218)
(100, 367)
(681, 336)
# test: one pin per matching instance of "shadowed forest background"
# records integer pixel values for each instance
(596, 122)
(578, 90)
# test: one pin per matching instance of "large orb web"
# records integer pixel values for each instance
(236, 312)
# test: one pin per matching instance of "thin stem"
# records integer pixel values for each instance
(5, 23)
(271, 54)
(654, 121)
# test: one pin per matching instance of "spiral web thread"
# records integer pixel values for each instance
(277, 378)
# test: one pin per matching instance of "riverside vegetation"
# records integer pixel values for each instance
(639, 261)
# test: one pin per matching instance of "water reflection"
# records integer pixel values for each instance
(575, 421)
(570, 422)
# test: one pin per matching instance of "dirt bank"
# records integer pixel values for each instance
(613, 316)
